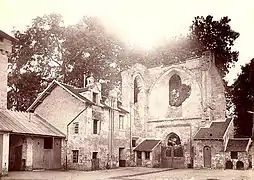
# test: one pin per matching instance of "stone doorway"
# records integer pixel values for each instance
(207, 156)
(139, 158)
(172, 155)
(122, 161)
(95, 161)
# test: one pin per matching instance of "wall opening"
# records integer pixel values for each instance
(239, 165)
(48, 143)
(229, 165)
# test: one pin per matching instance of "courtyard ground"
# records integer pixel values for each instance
(137, 173)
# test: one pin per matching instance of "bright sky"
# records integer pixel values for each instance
(143, 22)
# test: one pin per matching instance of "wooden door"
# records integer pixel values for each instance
(207, 156)
(122, 160)
(18, 158)
(172, 157)
(48, 159)
(139, 158)
(57, 154)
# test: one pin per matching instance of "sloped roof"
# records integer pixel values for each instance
(76, 92)
(7, 36)
(73, 91)
(215, 131)
(70, 89)
(238, 144)
(27, 123)
(146, 145)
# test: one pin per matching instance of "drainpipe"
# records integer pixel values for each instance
(66, 139)
(130, 133)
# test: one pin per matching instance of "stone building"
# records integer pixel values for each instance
(172, 103)
(96, 128)
(27, 141)
(169, 117)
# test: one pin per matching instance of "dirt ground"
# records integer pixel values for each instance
(137, 173)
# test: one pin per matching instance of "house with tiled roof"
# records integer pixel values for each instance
(27, 140)
(216, 147)
(96, 128)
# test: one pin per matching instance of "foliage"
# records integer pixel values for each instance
(243, 99)
(218, 37)
(48, 50)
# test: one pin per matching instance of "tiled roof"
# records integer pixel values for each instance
(238, 144)
(147, 145)
(27, 123)
(215, 131)
(7, 36)
(76, 91)
(72, 90)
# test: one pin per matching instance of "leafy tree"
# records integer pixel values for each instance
(35, 60)
(47, 50)
(52, 51)
(243, 99)
(216, 36)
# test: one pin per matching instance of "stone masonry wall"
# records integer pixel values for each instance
(59, 108)
(217, 153)
(241, 156)
(5, 50)
(87, 142)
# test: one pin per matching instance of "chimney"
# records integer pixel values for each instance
(84, 80)
(5, 50)
(90, 80)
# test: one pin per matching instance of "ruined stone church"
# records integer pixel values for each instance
(172, 117)
(178, 116)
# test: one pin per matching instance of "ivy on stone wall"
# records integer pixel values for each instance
(178, 95)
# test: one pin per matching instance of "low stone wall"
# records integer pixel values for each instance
(242, 156)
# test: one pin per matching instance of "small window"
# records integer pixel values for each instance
(48, 143)
(133, 142)
(95, 97)
(95, 126)
(95, 154)
(234, 155)
(76, 127)
(121, 122)
(147, 155)
(139, 154)
(75, 156)
(1, 39)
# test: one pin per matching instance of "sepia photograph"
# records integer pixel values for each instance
(126, 89)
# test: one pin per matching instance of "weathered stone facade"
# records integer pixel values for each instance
(5, 50)
(77, 113)
(199, 93)
(217, 153)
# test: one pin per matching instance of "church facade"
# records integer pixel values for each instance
(168, 106)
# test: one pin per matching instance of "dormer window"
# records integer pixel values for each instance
(95, 97)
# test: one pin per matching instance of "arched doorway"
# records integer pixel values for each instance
(239, 165)
(172, 153)
(229, 165)
(207, 156)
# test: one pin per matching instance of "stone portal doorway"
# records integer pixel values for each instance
(172, 155)
(207, 156)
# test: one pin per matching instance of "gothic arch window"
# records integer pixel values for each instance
(137, 88)
(178, 92)
(174, 142)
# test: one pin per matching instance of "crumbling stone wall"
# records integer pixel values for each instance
(203, 103)
(217, 153)
(241, 156)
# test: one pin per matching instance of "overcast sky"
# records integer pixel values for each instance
(143, 22)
